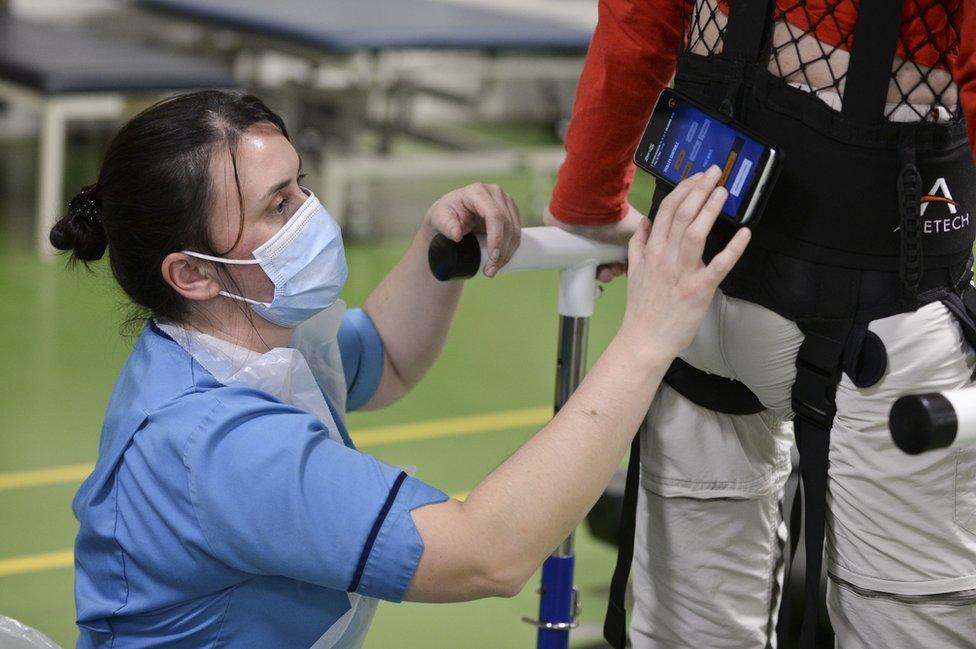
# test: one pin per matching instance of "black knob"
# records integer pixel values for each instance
(454, 259)
(921, 422)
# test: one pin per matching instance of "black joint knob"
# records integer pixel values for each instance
(921, 422)
(454, 259)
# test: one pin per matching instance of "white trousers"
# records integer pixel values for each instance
(901, 530)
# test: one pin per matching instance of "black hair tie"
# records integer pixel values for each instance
(85, 207)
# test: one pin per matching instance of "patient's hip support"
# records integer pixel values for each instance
(576, 258)
(922, 422)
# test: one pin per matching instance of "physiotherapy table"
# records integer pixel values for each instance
(67, 74)
(361, 76)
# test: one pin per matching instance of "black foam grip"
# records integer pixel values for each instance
(454, 259)
(921, 422)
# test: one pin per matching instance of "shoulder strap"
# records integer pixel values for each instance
(872, 54)
(745, 34)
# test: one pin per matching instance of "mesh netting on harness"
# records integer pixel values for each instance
(811, 41)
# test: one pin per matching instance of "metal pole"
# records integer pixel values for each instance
(577, 259)
(559, 604)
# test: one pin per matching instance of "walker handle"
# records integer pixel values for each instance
(540, 248)
(454, 259)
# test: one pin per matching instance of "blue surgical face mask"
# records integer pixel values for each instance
(306, 262)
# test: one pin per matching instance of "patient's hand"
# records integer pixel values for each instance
(618, 232)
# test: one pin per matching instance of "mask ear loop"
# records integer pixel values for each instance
(241, 298)
(221, 260)
(237, 262)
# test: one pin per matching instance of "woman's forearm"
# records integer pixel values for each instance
(568, 464)
(523, 509)
(491, 544)
(412, 312)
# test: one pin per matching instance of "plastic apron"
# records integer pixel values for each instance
(299, 375)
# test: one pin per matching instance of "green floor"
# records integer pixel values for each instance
(62, 348)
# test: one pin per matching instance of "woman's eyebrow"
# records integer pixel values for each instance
(276, 188)
(281, 185)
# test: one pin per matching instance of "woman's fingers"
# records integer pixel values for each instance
(480, 208)
(638, 243)
(488, 204)
(515, 221)
(692, 244)
(687, 212)
(665, 212)
(446, 220)
(722, 263)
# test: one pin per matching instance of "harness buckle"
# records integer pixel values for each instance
(818, 367)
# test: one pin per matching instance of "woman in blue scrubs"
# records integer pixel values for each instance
(228, 506)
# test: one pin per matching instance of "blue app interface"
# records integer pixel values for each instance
(693, 141)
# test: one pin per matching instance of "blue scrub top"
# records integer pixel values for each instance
(220, 516)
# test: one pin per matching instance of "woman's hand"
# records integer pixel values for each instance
(480, 207)
(669, 288)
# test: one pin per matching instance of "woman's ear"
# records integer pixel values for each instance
(189, 277)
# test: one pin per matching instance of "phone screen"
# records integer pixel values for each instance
(682, 140)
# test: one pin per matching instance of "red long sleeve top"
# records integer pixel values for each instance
(632, 58)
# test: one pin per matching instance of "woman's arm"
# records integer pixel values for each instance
(411, 309)
(493, 542)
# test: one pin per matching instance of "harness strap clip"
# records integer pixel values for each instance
(732, 90)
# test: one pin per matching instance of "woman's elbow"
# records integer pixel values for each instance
(504, 578)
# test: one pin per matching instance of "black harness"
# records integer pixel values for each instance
(845, 238)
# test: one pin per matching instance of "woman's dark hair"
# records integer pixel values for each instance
(154, 192)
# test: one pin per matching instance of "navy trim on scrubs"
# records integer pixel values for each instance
(380, 518)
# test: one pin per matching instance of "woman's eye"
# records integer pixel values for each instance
(280, 207)
(301, 177)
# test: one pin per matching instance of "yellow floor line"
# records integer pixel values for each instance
(363, 437)
(48, 476)
(36, 563)
(451, 427)
(29, 563)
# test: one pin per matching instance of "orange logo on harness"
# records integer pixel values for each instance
(940, 194)
(957, 218)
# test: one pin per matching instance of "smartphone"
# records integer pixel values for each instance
(684, 137)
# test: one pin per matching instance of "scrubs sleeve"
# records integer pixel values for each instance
(275, 496)
(362, 357)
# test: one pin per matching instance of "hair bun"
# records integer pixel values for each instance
(81, 229)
